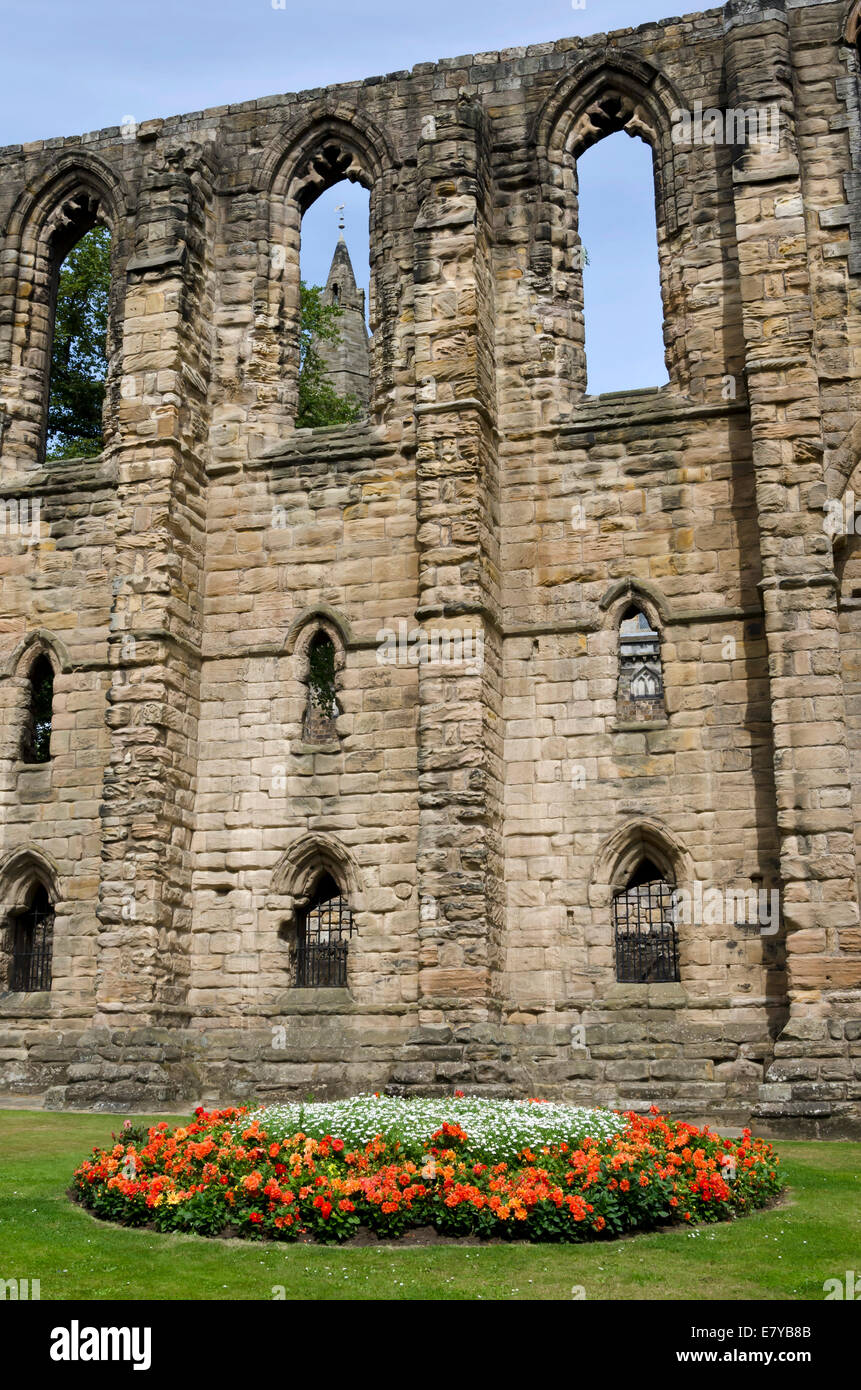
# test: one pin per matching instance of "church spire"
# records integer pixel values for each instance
(348, 360)
(341, 287)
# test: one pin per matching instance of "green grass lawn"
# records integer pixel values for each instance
(785, 1253)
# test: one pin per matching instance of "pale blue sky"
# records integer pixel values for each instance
(68, 68)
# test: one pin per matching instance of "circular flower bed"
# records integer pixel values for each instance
(523, 1169)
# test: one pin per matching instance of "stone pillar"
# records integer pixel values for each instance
(811, 1077)
(460, 704)
(154, 637)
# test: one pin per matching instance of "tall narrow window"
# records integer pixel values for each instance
(324, 931)
(30, 944)
(640, 694)
(79, 348)
(36, 742)
(334, 345)
(322, 710)
(645, 930)
(621, 277)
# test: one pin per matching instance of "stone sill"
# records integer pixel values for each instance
(24, 1005)
(353, 440)
(50, 476)
(314, 1001)
(637, 726)
(661, 996)
(305, 748)
(650, 406)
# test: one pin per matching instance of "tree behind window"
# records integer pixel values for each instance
(79, 352)
(319, 402)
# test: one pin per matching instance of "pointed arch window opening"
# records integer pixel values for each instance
(79, 315)
(36, 741)
(322, 710)
(644, 928)
(334, 362)
(641, 681)
(619, 259)
(325, 928)
(30, 944)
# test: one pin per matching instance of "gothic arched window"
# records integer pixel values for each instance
(334, 340)
(29, 944)
(640, 694)
(325, 926)
(623, 308)
(322, 710)
(36, 741)
(644, 928)
(81, 251)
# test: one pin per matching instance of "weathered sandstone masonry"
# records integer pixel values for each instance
(480, 819)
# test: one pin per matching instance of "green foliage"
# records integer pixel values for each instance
(321, 674)
(38, 744)
(319, 402)
(131, 1133)
(79, 354)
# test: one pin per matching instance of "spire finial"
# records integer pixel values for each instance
(339, 208)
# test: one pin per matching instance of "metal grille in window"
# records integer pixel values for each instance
(323, 935)
(32, 946)
(645, 930)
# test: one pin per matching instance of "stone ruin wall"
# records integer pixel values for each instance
(480, 822)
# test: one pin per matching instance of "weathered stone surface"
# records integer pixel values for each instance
(478, 815)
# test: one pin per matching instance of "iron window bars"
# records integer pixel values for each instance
(32, 933)
(647, 948)
(324, 932)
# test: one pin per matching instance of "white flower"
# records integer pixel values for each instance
(498, 1129)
